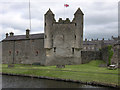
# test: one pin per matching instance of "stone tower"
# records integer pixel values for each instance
(78, 20)
(63, 39)
(49, 19)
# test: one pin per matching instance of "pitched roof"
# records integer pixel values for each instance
(79, 11)
(49, 12)
(23, 37)
(109, 41)
(88, 43)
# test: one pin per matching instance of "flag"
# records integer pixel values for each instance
(66, 5)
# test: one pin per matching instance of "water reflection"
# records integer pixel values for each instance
(26, 82)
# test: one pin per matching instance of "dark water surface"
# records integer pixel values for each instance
(26, 82)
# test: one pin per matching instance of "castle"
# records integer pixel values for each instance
(61, 43)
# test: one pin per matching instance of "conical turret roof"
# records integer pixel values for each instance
(78, 11)
(49, 11)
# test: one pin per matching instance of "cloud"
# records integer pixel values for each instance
(100, 17)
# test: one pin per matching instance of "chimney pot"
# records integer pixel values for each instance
(11, 34)
(103, 39)
(27, 33)
(6, 35)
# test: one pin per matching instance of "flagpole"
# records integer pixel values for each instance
(29, 15)
(64, 12)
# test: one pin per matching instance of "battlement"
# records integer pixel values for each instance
(61, 21)
(50, 18)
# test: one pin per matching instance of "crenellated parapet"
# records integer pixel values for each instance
(61, 21)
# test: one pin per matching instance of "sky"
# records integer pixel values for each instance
(100, 16)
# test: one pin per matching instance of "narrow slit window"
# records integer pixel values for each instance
(45, 36)
(45, 23)
(36, 53)
(9, 53)
(17, 52)
(75, 24)
(54, 49)
(72, 50)
(75, 37)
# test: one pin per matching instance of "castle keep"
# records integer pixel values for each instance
(61, 43)
(63, 39)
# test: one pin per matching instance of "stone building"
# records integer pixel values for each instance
(60, 44)
(96, 45)
(116, 52)
(93, 45)
(24, 49)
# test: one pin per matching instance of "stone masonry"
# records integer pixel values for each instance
(60, 44)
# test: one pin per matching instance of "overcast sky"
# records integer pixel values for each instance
(100, 16)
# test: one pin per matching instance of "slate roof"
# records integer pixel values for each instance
(106, 42)
(23, 37)
(88, 43)
(109, 41)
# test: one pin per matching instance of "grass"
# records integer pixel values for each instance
(85, 72)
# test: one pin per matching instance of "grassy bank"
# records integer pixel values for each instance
(84, 72)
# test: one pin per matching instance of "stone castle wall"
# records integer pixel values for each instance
(116, 54)
(24, 51)
(105, 55)
(88, 56)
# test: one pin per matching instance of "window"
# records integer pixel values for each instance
(72, 50)
(45, 36)
(45, 23)
(75, 24)
(75, 37)
(54, 49)
(9, 53)
(36, 53)
(17, 52)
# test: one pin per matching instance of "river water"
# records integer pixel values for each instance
(26, 82)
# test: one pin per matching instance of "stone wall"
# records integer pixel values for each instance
(87, 56)
(116, 54)
(24, 51)
(105, 55)
(63, 50)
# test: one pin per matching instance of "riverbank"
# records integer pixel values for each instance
(89, 73)
(65, 80)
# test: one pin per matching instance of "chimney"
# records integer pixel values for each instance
(11, 34)
(27, 33)
(103, 39)
(6, 35)
(112, 37)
